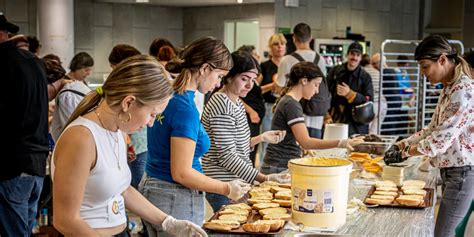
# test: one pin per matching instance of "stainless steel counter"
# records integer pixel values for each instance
(382, 221)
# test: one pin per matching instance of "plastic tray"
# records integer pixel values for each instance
(377, 148)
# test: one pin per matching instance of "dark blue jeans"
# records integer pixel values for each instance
(137, 168)
(217, 201)
(18, 204)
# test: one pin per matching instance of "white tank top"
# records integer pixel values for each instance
(103, 205)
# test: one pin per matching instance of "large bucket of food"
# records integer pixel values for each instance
(319, 188)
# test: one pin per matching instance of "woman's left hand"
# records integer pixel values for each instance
(273, 136)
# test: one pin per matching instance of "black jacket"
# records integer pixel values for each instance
(24, 106)
(341, 110)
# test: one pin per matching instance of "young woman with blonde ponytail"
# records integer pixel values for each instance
(91, 179)
(449, 138)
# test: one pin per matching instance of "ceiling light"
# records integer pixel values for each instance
(142, 1)
(240, 1)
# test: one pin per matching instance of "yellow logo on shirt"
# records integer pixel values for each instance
(160, 118)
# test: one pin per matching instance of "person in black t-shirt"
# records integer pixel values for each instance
(24, 104)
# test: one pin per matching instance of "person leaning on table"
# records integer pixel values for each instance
(449, 138)
(91, 179)
(174, 180)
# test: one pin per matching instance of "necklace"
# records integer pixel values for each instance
(115, 145)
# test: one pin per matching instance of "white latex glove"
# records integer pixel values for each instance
(349, 143)
(237, 189)
(279, 178)
(273, 136)
(181, 227)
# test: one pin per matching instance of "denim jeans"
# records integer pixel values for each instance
(315, 133)
(18, 204)
(137, 168)
(458, 192)
(173, 199)
(217, 201)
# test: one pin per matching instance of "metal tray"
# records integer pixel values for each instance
(428, 202)
(253, 216)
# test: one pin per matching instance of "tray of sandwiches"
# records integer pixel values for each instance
(412, 194)
(265, 212)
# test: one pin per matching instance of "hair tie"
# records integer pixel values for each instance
(100, 91)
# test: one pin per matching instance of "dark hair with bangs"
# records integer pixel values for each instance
(243, 62)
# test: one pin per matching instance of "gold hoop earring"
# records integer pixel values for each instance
(125, 121)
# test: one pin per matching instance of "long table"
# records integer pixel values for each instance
(387, 221)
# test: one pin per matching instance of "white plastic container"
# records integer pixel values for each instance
(319, 188)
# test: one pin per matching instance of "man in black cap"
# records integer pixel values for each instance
(350, 86)
(24, 104)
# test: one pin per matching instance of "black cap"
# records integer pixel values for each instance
(355, 47)
(6, 25)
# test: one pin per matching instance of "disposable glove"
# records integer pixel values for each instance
(279, 178)
(237, 189)
(349, 143)
(182, 227)
(273, 136)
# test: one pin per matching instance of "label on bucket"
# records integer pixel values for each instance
(313, 201)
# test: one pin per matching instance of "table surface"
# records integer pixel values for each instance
(387, 221)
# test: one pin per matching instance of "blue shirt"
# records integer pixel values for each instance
(180, 119)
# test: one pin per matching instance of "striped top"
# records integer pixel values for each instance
(226, 124)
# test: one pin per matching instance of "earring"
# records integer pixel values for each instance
(125, 121)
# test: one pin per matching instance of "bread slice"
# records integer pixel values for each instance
(222, 225)
(275, 225)
(232, 217)
(391, 198)
(256, 228)
(387, 189)
(413, 184)
(239, 206)
(277, 216)
(255, 201)
(269, 184)
(283, 195)
(419, 192)
(261, 194)
(241, 212)
(260, 206)
(393, 194)
(218, 226)
(288, 185)
(385, 183)
(276, 189)
(410, 200)
(282, 202)
(273, 210)
(378, 201)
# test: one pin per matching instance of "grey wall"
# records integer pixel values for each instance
(209, 21)
(100, 26)
(21, 13)
(377, 20)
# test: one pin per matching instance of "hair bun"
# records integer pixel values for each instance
(175, 65)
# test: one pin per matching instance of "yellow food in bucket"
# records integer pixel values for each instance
(314, 161)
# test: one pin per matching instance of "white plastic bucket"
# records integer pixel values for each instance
(319, 188)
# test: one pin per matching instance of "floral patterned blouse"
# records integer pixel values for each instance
(449, 138)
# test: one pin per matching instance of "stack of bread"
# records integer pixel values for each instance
(413, 193)
(384, 194)
(231, 217)
(394, 174)
(271, 192)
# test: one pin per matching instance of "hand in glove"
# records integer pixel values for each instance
(273, 136)
(279, 178)
(393, 155)
(237, 189)
(181, 227)
(349, 143)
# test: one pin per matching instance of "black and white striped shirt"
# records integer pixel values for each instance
(226, 124)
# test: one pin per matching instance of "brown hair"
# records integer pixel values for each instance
(54, 70)
(141, 76)
(204, 50)
(166, 53)
(433, 46)
(121, 52)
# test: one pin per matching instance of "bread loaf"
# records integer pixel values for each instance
(378, 201)
(241, 212)
(391, 198)
(277, 216)
(260, 206)
(394, 194)
(419, 192)
(276, 189)
(413, 184)
(283, 195)
(239, 206)
(387, 189)
(222, 225)
(256, 228)
(410, 200)
(385, 183)
(275, 225)
(267, 211)
(255, 201)
(232, 217)
(283, 203)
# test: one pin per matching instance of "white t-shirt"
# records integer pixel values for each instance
(288, 61)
